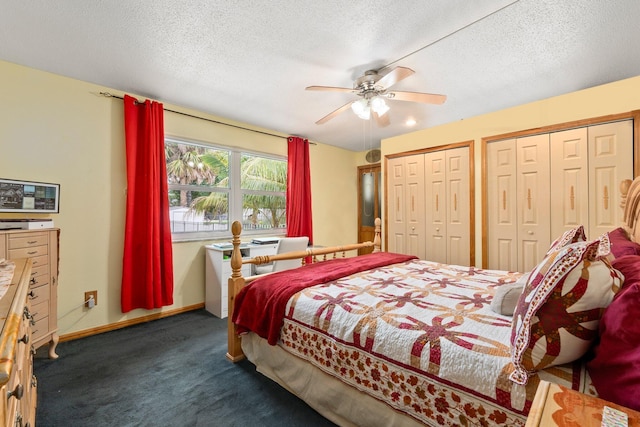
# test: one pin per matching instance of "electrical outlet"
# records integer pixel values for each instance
(88, 295)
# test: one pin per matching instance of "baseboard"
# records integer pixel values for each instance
(119, 325)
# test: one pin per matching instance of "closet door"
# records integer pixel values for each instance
(406, 210)
(610, 161)
(533, 185)
(436, 206)
(570, 182)
(414, 206)
(502, 224)
(458, 206)
(396, 200)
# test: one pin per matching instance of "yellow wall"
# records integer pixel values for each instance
(618, 97)
(57, 129)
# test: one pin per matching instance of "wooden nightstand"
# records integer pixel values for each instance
(555, 405)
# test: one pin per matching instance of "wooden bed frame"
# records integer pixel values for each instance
(630, 203)
(237, 281)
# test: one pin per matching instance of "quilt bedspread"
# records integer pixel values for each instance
(421, 337)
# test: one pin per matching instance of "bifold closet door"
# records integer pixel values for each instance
(533, 200)
(569, 176)
(436, 206)
(610, 162)
(502, 217)
(458, 207)
(406, 215)
(447, 210)
(396, 203)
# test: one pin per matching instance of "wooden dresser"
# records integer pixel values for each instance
(41, 246)
(17, 381)
(558, 406)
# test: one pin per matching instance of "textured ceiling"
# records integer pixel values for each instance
(250, 61)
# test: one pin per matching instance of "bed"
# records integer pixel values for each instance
(387, 339)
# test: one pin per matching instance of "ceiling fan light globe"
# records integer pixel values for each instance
(365, 114)
(377, 103)
(382, 110)
(359, 106)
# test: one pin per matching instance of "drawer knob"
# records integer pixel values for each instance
(24, 339)
(17, 392)
(28, 315)
(33, 281)
(31, 295)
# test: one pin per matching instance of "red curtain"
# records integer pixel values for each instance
(299, 189)
(147, 270)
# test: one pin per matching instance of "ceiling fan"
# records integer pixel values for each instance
(373, 88)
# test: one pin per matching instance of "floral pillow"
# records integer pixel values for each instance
(568, 237)
(556, 319)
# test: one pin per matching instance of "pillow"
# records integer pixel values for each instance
(568, 237)
(506, 297)
(629, 266)
(615, 367)
(621, 244)
(556, 319)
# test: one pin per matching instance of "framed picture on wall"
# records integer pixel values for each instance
(28, 196)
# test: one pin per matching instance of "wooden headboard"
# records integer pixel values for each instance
(630, 191)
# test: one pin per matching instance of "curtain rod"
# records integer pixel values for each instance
(110, 95)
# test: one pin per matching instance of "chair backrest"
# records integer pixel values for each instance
(290, 244)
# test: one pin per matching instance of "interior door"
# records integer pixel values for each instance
(369, 203)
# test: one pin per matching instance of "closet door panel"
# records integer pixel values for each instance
(436, 206)
(397, 203)
(569, 177)
(414, 206)
(610, 161)
(605, 214)
(458, 206)
(502, 244)
(533, 184)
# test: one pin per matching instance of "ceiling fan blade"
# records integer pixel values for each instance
(331, 89)
(428, 98)
(334, 113)
(394, 76)
(382, 120)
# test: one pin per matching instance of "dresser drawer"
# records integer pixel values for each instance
(42, 269)
(41, 328)
(40, 296)
(33, 239)
(30, 252)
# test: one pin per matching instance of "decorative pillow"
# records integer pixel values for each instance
(615, 368)
(621, 244)
(568, 237)
(506, 297)
(557, 315)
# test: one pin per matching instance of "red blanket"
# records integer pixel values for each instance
(260, 306)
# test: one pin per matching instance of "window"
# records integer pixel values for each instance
(210, 187)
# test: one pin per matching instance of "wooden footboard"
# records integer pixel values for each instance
(237, 281)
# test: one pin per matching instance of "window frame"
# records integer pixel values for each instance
(234, 192)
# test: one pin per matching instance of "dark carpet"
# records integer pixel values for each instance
(169, 372)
